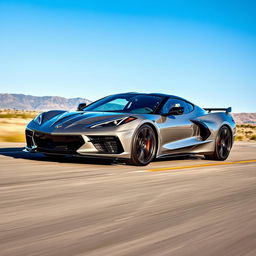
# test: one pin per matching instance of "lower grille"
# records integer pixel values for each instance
(29, 135)
(57, 143)
(107, 144)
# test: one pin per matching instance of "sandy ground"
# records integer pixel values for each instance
(13, 129)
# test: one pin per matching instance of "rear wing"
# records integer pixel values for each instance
(227, 110)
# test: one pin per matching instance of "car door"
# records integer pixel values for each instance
(176, 130)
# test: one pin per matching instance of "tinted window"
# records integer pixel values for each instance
(190, 107)
(113, 105)
(127, 103)
(177, 103)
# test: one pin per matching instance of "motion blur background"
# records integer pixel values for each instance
(204, 51)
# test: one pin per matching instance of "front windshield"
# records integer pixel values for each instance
(127, 103)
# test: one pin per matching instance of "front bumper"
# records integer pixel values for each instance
(94, 145)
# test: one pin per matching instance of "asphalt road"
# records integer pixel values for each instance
(85, 207)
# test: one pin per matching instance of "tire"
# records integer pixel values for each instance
(144, 145)
(223, 145)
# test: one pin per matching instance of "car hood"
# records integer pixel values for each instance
(73, 121)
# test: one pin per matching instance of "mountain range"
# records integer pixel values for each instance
(244, 118)
(44, 103)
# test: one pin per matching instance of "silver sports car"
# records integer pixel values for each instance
(135, 127)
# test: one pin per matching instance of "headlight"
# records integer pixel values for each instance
(38, 119)
(115, 122)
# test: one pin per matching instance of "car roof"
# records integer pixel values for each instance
(157, 94)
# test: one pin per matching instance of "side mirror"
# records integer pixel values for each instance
(81, 106)
(176, 111)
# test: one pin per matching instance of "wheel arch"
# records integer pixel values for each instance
(157, 135)
(230, 129)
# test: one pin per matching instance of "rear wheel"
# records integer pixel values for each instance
(143, 146)
(223, 145)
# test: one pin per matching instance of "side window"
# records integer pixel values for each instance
(190, 107)
(177, 103)
(184, 105)
(170, 104)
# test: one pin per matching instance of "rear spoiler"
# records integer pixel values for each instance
(227, 110)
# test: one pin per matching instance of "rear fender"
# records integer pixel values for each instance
(210, 124)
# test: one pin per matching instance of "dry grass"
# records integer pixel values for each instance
(13, 123)
(22, 114)
(246, 132)
(12, 130)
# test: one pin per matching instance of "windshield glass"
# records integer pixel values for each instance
(127, 103)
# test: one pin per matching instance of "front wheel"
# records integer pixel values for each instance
(223, 145)
(143, 146)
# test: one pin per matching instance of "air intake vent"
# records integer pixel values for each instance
(57, 143)
(107, 144)
(204, 130)
(29, 135)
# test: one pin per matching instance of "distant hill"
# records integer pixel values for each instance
(28, 102)
(245, 118)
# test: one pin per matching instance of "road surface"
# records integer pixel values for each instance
(86, 207)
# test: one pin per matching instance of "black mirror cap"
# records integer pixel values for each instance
(81, 106)
(176, 111)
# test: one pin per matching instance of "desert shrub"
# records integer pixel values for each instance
(253, 137)
(252, 126)
(18, 115)
(239, 138)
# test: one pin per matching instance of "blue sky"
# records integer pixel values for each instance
(204, 51)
